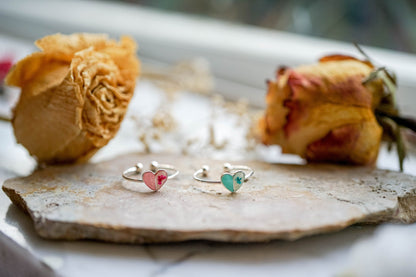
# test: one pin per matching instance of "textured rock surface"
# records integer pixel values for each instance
(280, 202)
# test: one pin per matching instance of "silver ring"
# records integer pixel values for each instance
(154, 178)
(232, 178)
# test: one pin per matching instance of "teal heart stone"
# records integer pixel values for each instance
(233, 182)
(227, 181)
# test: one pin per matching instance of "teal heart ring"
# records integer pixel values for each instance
(232, 179)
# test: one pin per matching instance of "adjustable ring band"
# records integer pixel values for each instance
(232, 182)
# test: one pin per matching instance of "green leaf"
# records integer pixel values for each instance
(401, 149)
(386, 112)
(362, 52)
(393, 132)
(391, 87)
(372, 76)
(389, 127)
(407, 122)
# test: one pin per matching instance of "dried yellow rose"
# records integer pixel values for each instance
(74, 95)
(324, 112)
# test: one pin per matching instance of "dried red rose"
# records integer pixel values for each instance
(324, 112)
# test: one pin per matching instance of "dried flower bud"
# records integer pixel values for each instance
(324, 112)
(74, 94)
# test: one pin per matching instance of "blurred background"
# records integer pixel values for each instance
(239, 42)
(381, 23)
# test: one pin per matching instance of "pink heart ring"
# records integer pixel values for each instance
(154, 178)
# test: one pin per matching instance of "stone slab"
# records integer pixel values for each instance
(93, 201)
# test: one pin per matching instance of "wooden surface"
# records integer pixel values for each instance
(92, 201)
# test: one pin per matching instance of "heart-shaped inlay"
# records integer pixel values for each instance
(155, 180)
(233, 182)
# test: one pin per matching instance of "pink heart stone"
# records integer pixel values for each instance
(155, 181)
